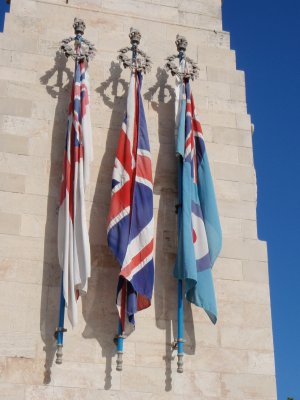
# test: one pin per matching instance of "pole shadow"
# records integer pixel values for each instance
(50, 296)
(99, 305)
(165, 185)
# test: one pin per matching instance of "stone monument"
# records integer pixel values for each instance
(230, 361)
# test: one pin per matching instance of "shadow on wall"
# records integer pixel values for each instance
(165, 185)
(99, 306)
(51, 270)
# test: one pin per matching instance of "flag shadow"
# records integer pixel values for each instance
(161, 97)
(99, 305)
(57, 81)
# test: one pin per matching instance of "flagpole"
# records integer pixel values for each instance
(83, 50)
(59, 333)
(139, 61)
(190, 70)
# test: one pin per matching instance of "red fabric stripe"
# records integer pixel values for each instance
(136, 260)
(119, 201)
(144, 169)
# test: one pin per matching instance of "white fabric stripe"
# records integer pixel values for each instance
(120, 175)
(138, 243)
(118, 218)
(131, 114)
(140, 266)
(144, 182)
(145, 153)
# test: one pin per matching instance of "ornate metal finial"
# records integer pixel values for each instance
(191, 70)
(83, 48)
(139, 60)
(79, 26)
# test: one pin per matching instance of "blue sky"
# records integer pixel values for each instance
(266, 37)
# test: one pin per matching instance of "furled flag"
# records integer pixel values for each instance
(130, 220)
(73, 241)
(199, 236)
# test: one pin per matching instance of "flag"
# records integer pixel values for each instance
(199, 230)
(73, 241)
(130, 220)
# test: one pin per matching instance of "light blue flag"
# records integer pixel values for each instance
(200, 236)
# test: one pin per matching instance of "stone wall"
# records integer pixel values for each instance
(232, 360)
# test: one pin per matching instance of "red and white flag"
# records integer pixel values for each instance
(73, 240)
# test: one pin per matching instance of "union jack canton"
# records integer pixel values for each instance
(73, 241)
(130, 221)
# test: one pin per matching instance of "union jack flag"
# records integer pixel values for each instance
(73, 241)
(130, 221)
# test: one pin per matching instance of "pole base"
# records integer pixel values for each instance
(180, 363)
(59, 354)
(119, 361)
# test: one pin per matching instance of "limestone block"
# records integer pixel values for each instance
(143, 379)
(248, 192)
(231, 136)
(237, 93)
(22, 126)
(248, 387)
(261, 362)
(11, 392)
(10, 223)
(215, 57)
(226, 268)
(68, 393)
(231, 227)
(27, 204)
(39, 393)
(255, 271)
(19, 43)
(244, 249)
(225, 76)
(225, 119)
(249, 229)
(25, 247)
(222, 153)
(244, 314)
(205, 38)
(84, 375)
(22, 370)
(22, 271)
(12, 182)
(245, 156)
(237, 209)
(236, 173)
(18, 344)
(219, 360)
(15, 163)
(247, 339)
(243, 122)
(227, 190)
(213, 90)
(17, 74)
(15, 106)
(244, 292)
(197, 383)
(16, 24)
(14, 144)
(227, 106)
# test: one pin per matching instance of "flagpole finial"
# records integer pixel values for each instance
(191, 69)
(83, 48)
(139, 60)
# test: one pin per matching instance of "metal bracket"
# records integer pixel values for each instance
(59, 329)
(83, 48)
(139, 61)
(191, 70)
(174, 345)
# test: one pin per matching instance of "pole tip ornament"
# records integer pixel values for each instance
(139, 60)
(83, 49)
(191, 70)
